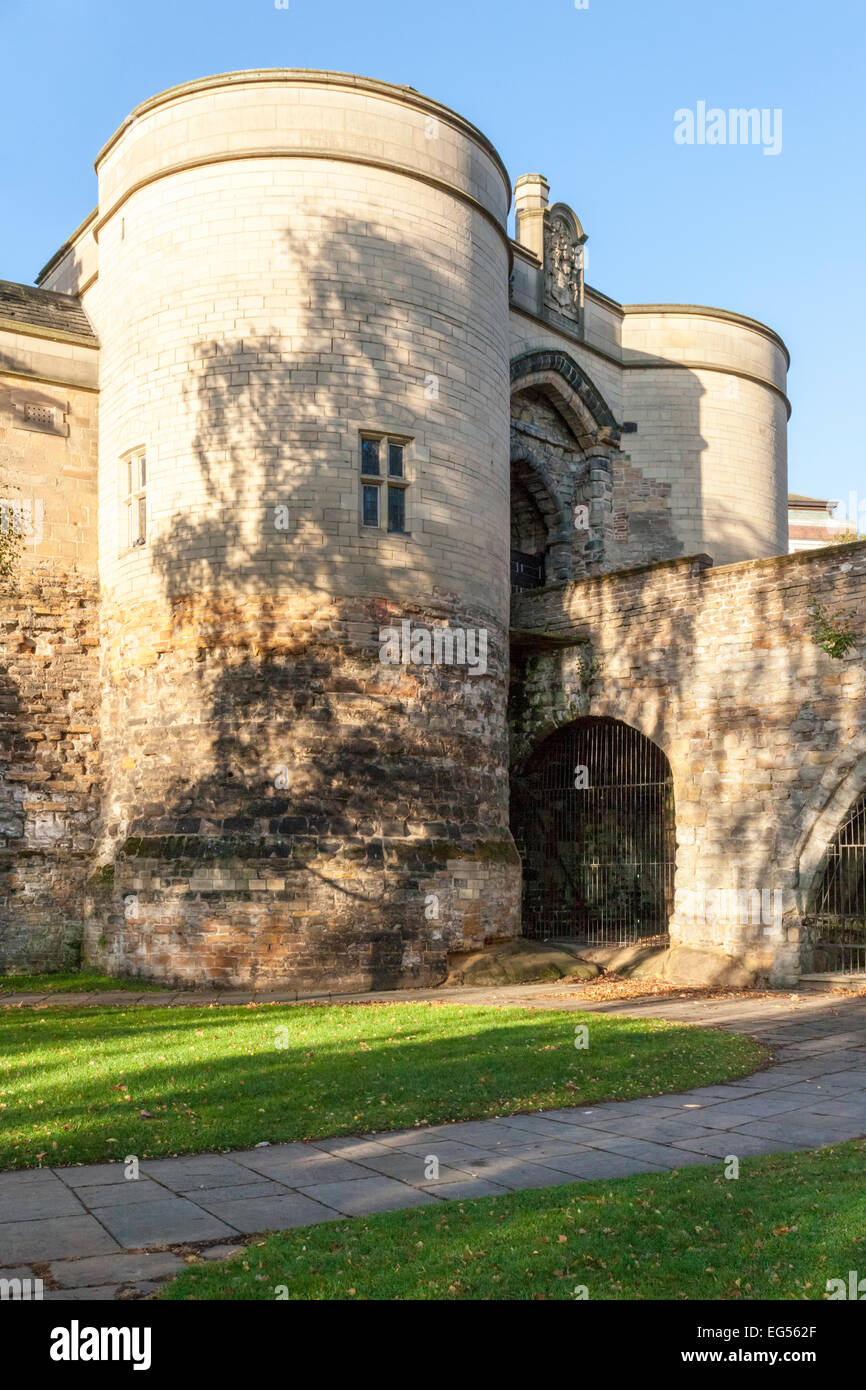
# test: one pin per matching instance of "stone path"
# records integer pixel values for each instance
(92, 1234)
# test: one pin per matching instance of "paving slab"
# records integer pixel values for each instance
(484, 1134)
(515, 1173)
(768, 1103)
(674, 1105)
(721, 1118)
(713, 1093)
(854, 1109)
(643, 1128)
(116, 1269)
(38, 1201)
(410, 1168)
(807, 1092)
(536, 1125)
(121, 1194)
(169, 1221)
(280, 1213)
(833, 1042)
(651, 1105)
(722, 1146)
(774, 1080)
(591, 1166)
(22, 1178)
(827, 1065)
(301, 1166)
(579, 1133)
(197, 1170)
(366, 1195)
(841, 1082)
(446, 1150)
(237, 1192)
(650, 1155)
(93, 1175)
(355, 1150)
(805, 1132)
(608, 1142)
(536, 1151)
(58, 1238)
(393, 1138)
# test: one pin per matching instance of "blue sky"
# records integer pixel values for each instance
(585, 96)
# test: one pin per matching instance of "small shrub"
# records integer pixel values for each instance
(831, 632)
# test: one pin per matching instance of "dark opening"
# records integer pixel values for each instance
(593, 819)
(533, 513)
(527, 571)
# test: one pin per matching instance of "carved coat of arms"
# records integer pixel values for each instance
(563, 268)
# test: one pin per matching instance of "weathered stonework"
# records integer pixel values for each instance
(270, 291)
(49, 626)
(287, 807)
(49, 773)
(765, 733)
(208, 764)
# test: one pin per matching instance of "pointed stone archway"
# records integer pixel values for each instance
(563, 438)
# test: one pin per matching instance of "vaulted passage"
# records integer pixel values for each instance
(535, 526)
(593, 818)
(534, 522)
(837, 911)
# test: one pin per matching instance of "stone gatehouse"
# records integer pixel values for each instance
(292, 385)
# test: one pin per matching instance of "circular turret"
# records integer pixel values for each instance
(303, 309)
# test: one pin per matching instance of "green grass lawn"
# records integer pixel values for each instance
(780, 1231)
(72, 982)
(74, 1082)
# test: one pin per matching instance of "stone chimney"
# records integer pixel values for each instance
(531, 195)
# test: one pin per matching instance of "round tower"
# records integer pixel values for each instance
(304, 502)
(708, 387)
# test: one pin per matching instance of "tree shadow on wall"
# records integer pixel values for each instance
(281, 735)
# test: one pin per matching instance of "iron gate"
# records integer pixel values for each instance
(837, 913)
(593, 819)
(527, 571)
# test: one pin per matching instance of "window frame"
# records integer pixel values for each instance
(383, 481)
(133, 499)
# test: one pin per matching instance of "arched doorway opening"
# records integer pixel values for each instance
(593, 819)
(836, 912)
(535, 524)
(562, 438)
